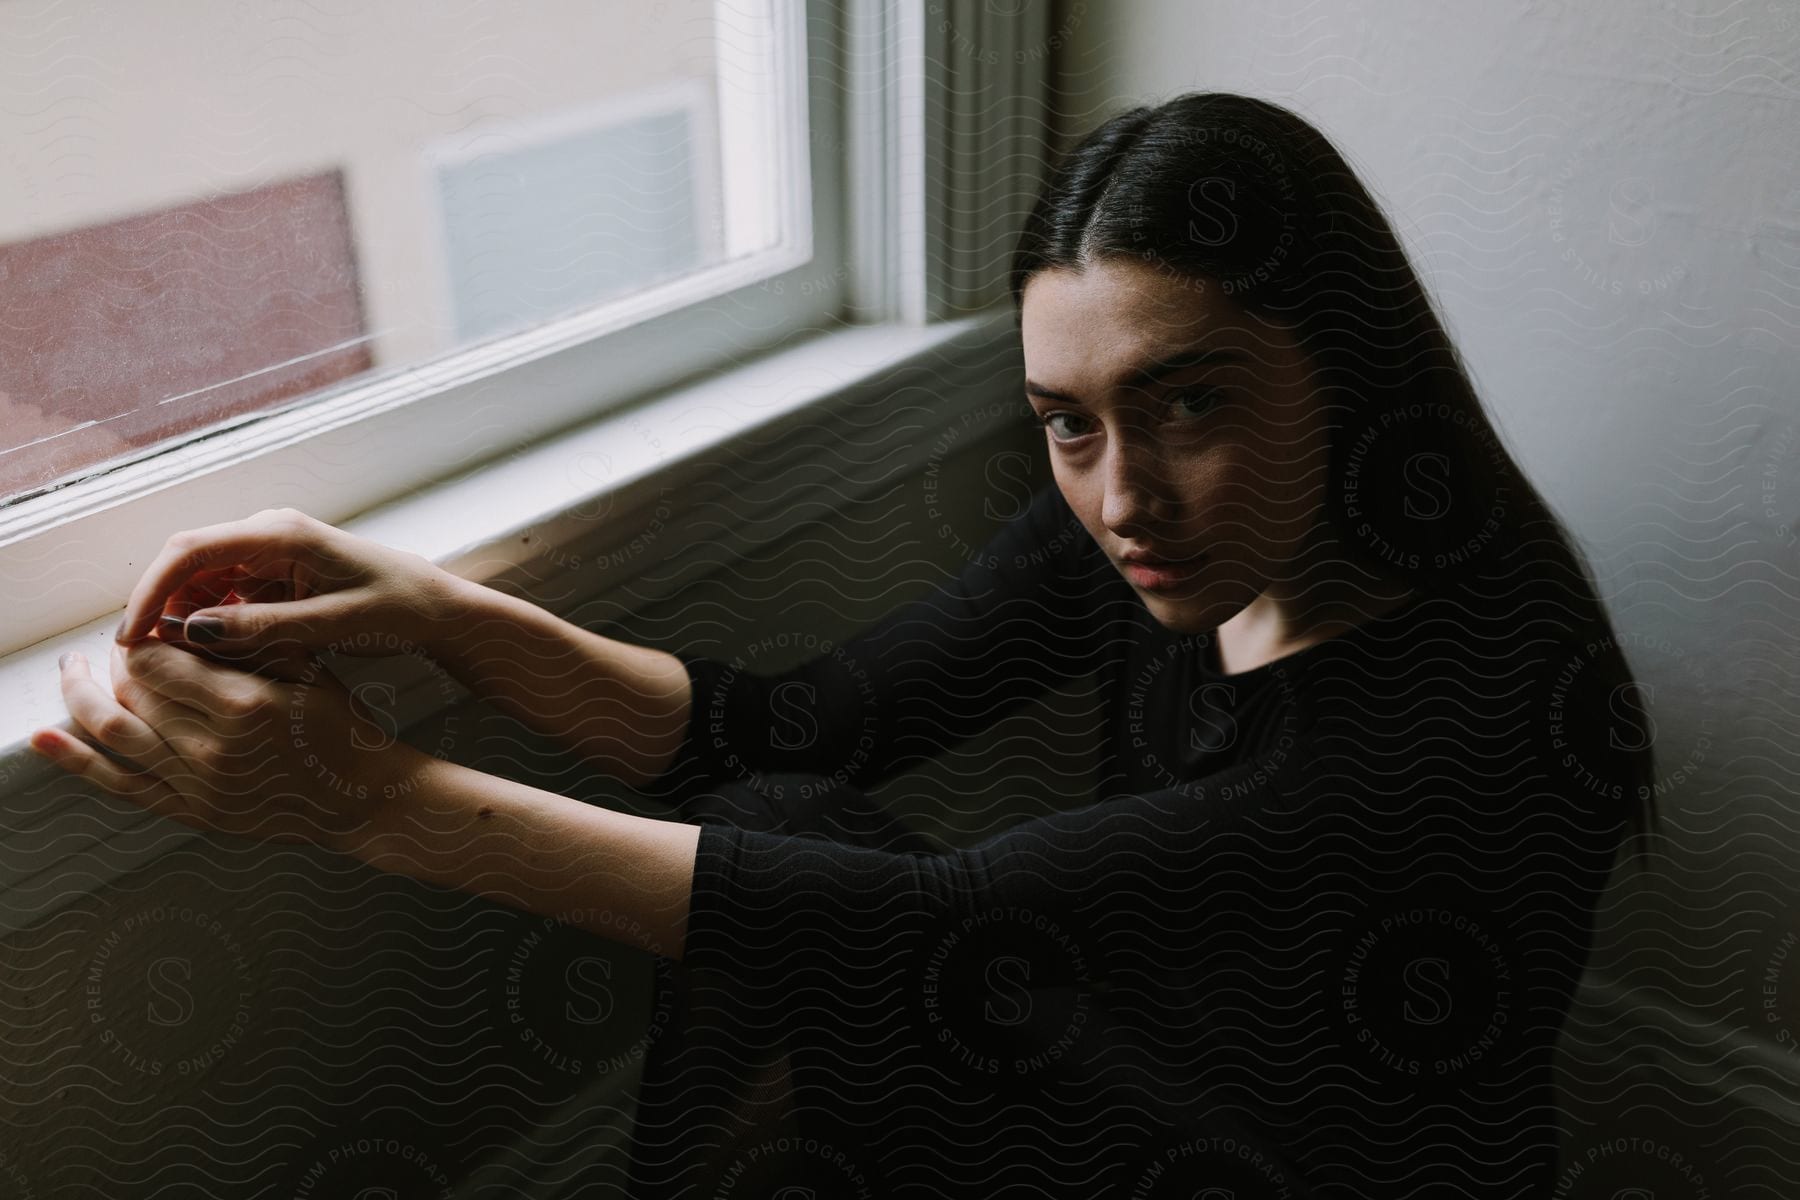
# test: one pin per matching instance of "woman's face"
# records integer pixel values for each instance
(1178, 426)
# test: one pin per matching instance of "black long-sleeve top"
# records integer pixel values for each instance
(1315, 934)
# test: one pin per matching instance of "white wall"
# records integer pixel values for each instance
(1605, 199)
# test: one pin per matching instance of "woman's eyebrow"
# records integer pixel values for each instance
(1152, 370)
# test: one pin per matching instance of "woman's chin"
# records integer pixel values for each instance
(1198, 614)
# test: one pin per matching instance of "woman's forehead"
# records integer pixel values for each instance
(1087, 327)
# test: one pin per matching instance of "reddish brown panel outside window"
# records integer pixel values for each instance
(119, 336)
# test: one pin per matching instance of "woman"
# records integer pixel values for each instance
(1369, 749)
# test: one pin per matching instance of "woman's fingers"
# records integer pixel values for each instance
(253, 541)
(204, 589)
(107, 721)
(283, 660)
(209, 689)
(255, 589)
(139, 787)
(240, 583)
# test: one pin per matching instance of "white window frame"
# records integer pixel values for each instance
(346, 449)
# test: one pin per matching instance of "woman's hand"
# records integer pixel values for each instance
(280, 582)
(292, 759)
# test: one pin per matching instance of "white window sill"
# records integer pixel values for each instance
(509, 519)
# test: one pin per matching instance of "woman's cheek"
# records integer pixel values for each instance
(1220, 489)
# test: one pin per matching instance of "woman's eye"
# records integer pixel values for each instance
(1197, 401)
(1060, 433)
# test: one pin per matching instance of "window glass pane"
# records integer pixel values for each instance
(213, 208)
(577, 218)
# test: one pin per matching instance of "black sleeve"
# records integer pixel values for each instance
(1029, 609)
(832, 913)
(1338, 819)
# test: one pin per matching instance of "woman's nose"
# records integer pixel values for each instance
(1137, 502)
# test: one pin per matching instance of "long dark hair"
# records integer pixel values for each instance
(1227, 192)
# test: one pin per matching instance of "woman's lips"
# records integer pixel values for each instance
(1158, 576)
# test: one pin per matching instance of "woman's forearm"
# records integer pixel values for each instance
(624, 877)
(620, 706)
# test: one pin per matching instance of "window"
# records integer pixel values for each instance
(272, 254)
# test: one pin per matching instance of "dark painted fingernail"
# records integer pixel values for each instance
(172, 624)
(62, 663)
(119, 633)
(205, 629)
